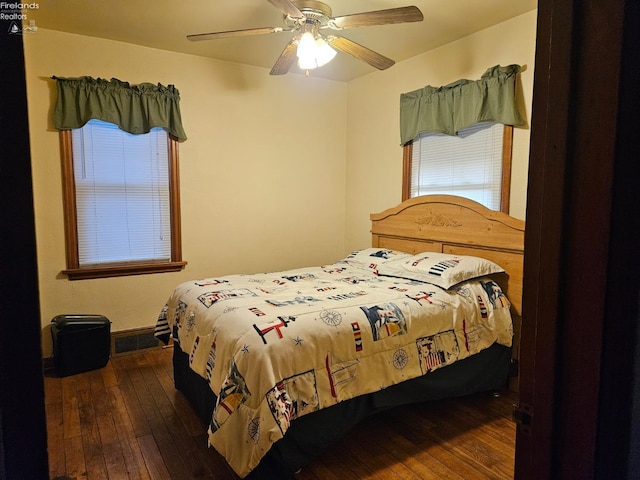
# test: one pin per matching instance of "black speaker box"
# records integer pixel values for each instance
(80, 343)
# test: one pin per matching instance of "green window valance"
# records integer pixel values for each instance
(460, 104)
(134, 108)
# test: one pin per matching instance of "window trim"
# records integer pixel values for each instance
(73, 270)
(505, 187)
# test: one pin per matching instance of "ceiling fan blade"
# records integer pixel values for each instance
(236, 33)
(286, 59)
(287, 8)
(379, 17)
(361, 53)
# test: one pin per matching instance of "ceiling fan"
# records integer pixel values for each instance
(313, 49)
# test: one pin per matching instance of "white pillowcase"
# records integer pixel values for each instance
(372, 258)
(441, 269)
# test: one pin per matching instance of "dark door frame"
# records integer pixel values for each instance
(23, 438)
(580, 305)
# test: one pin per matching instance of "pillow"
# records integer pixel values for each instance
(372, 257)
(441, 269)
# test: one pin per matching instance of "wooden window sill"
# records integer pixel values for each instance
(122, 270)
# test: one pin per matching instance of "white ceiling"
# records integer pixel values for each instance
(164, 24)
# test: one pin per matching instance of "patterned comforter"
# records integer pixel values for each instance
(276, 346)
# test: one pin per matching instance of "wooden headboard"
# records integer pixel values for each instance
(456, 225)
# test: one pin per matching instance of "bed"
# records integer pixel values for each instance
(280, 365)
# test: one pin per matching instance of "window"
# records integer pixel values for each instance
(121, 201)
(475, 164)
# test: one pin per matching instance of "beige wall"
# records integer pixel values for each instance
(374, 156)
(262, 174)
(277, 173)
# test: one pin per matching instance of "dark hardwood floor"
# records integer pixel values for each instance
(126, 421)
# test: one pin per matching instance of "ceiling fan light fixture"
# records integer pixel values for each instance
(312, 49)
(324, 52)
(313, 52)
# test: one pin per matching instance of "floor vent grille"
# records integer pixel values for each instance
(133, 341)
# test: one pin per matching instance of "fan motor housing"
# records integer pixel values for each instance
(313, 7)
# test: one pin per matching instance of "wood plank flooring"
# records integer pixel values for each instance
(126, 421)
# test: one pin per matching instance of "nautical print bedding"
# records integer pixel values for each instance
(277, 346)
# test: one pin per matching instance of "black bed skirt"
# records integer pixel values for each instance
(310, 435)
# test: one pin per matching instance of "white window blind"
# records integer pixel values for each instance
(122, 194)
(468, 165)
